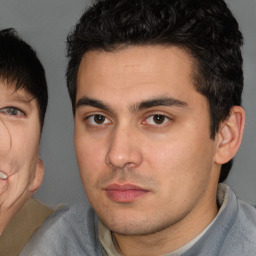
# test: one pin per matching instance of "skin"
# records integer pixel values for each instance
(19, 151)
(142, 139)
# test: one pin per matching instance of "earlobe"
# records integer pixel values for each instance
(38, 178)
(230, 135)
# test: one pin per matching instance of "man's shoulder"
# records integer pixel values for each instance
(245, 224)
(232, 233)
(246, 212)
(66, 217)
(68, 231)
(242, 236)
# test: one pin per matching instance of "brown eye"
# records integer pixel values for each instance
(99, 119)
(159, 119)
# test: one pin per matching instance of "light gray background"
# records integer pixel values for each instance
(44, 24)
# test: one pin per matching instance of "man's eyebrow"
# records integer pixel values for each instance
(85, 101)
(163, 101)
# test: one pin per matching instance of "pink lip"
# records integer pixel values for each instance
(124, 193)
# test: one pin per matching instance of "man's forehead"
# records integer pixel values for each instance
(132, 61)
(158, 70)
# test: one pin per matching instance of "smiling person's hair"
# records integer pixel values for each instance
(206, 30)
(20, 68)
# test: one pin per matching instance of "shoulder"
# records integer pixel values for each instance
(68, 231)
(36, 209)
(22, 226)
(245, 223)
(241, 238)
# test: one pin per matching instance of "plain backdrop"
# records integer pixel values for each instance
(45, 25)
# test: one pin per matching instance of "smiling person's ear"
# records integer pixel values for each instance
(38, 177)
(230, 135)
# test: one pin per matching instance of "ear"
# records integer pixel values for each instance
(230, 135)
(38, 178)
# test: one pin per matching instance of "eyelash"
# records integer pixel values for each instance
(92, 122)
(163, 120)
(88, 118)
(10, 111)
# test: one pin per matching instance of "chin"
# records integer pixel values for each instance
(133, 227)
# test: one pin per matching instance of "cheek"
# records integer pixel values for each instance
(90, 157)
(180, 173)
(180, 157)
(25, 141)
(31, 143)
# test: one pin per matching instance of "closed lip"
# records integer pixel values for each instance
(123, 187)
(124, 193)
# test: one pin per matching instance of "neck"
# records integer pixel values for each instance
(171, 238)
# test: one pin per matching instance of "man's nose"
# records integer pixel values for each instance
(5, 137)
(124, 149)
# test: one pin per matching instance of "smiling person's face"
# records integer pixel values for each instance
(21, 169)
(142, 138)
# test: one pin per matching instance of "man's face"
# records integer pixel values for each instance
(19, 149)
(142, 138)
